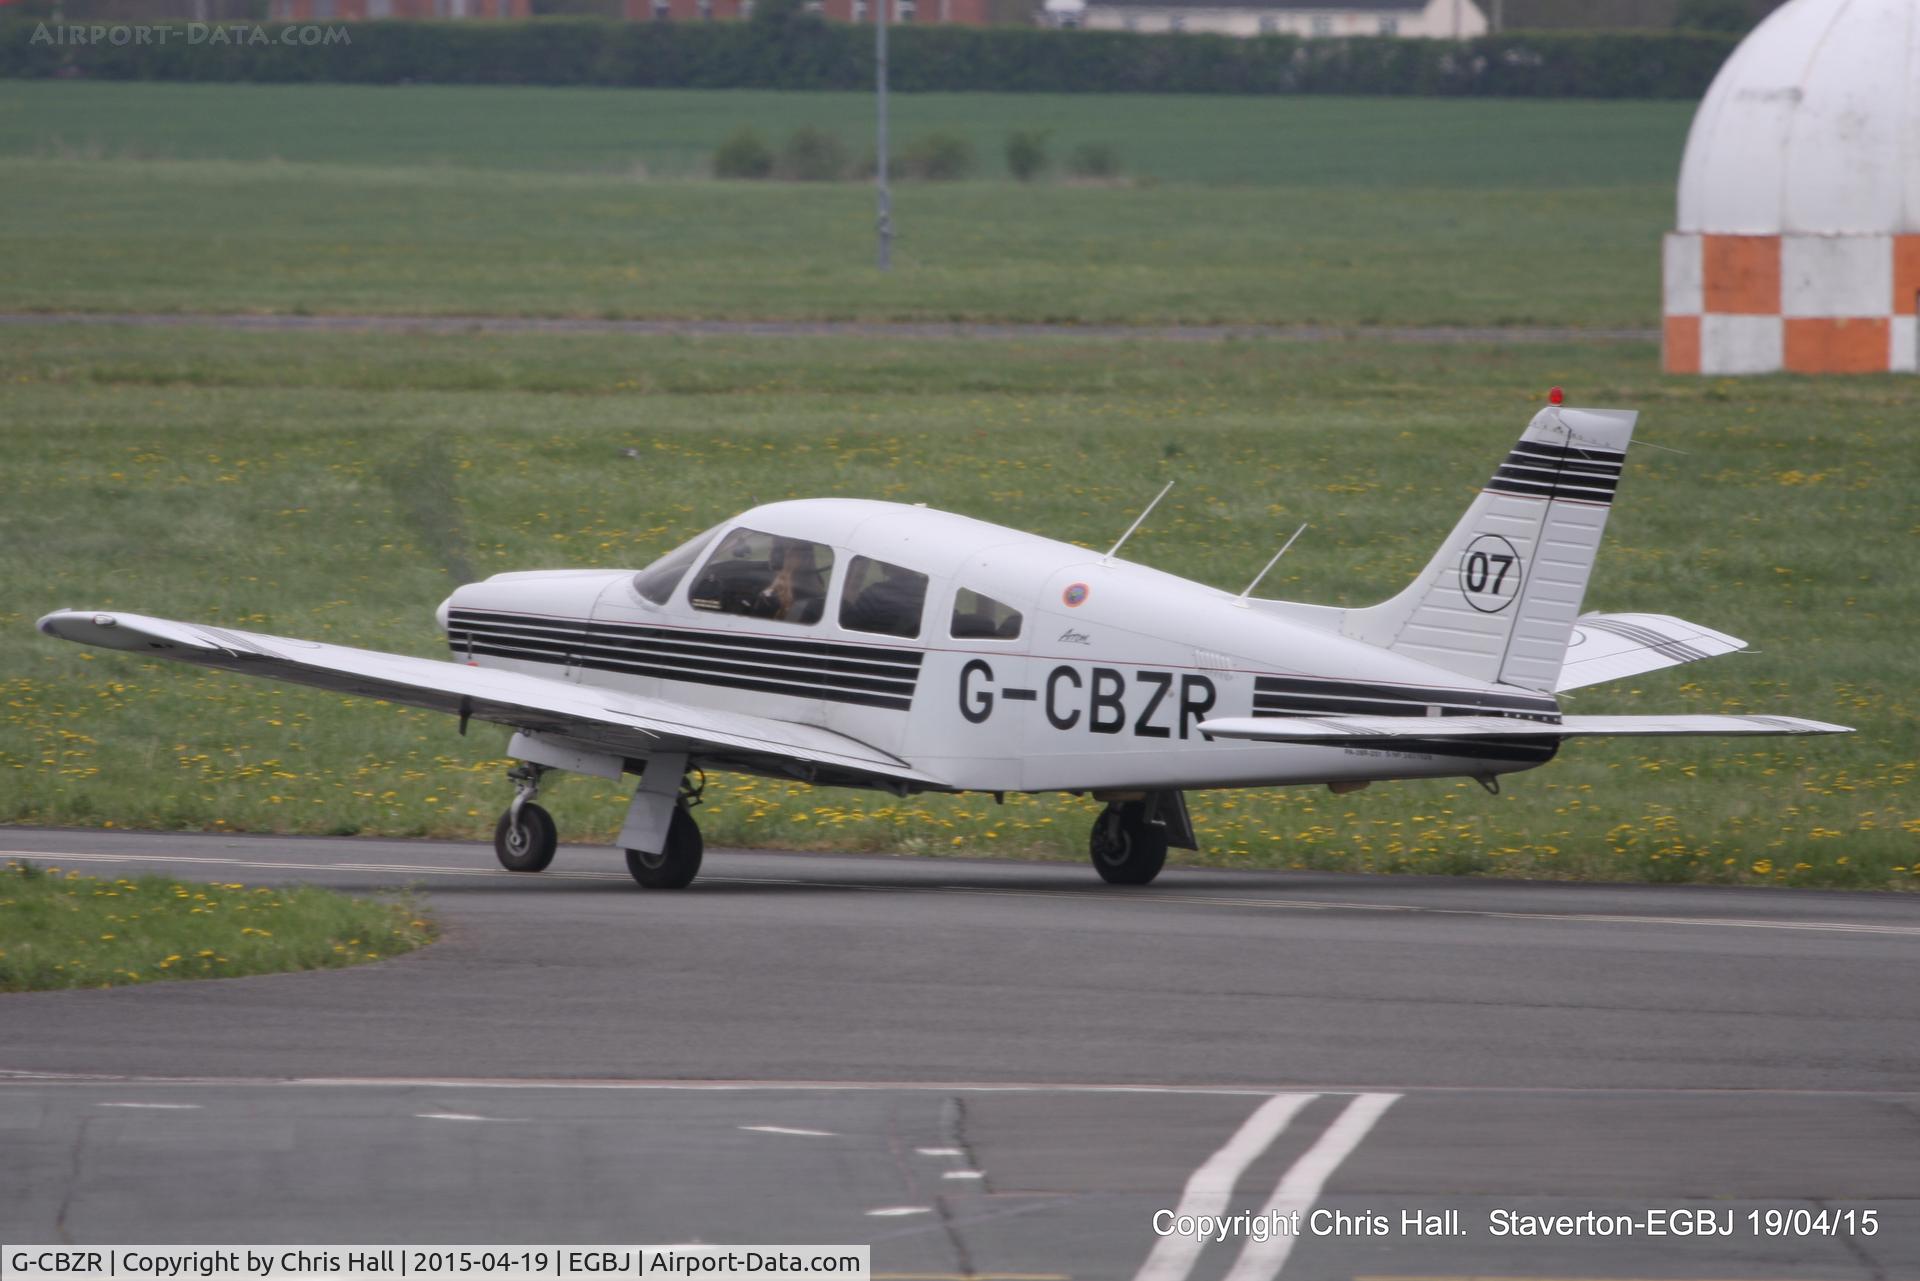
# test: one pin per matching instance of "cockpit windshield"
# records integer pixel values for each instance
(657, 581)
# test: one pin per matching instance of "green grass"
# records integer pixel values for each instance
(1271, 141)
(337, 485)
(219, 236)
(185, 198)
(63, 929)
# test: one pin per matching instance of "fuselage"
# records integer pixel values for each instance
(992, 659)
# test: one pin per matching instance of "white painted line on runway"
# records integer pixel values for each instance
(462, 1116)
(1300, 1186)
(964, 1174)
(1158, 900)
(158, 1107)
(895, 1211)
(939, 1151)
(1211, 1185)
(786, 1129)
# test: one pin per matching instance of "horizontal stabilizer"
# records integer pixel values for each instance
(1351, 729)
(626, 725)
(1610, 647)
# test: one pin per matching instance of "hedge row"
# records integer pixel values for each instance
(816, 55)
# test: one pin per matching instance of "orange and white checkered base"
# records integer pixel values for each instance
(1805, 303)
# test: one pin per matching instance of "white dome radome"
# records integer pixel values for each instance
(1812, 126)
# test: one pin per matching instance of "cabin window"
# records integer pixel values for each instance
(657, 581)
(882, 598)
(977, 617)
(765, 576)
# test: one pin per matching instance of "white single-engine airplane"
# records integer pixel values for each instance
(869, 644)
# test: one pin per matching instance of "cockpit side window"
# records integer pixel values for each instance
(882, 598)
(765, 576)
(977, 617)
(657, 581)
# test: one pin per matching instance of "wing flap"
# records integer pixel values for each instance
(1610, 647)
(1353, 729)
(618, 723)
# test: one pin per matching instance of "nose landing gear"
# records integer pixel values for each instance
(525, 838)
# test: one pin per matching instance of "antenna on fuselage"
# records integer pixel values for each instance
(1136, 522)
(1241, 600)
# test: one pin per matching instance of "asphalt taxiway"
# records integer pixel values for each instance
(1000, 1069)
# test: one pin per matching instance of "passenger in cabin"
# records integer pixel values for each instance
(883, 598)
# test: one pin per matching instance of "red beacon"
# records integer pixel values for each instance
(1556, 397)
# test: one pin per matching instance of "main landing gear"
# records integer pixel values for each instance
(678, 861)
(1128, 846)
(524, 840)
(1130, 838)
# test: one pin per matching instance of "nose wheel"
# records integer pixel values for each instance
(1126, 846)
(525, 838)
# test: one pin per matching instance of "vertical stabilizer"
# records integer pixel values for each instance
(1499, 599)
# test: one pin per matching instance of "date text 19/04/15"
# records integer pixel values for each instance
(1687, 1221)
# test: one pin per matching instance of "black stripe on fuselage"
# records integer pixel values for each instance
(788, 646)
(869, 676)
(1397, 700)
(1283, 696)
(688, 653)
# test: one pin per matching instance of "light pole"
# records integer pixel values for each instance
(884, 223)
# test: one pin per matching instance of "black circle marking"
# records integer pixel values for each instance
(1490, 573)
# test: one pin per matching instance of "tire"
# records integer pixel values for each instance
(530, 847)
(1125, 848)
(674, 867)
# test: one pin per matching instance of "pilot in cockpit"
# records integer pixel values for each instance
(798, 590)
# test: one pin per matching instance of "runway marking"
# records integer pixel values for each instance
(1160, 900)
(964, 1174)
(31, 1077)
(1211, 1185)
(158, 1107)
(785, 1129)
(939, 1151)
(896, 1211)
(1300, 1186)
(461, 1116)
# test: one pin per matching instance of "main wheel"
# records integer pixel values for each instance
(529, 845)
(1126, 849)
(674, 867)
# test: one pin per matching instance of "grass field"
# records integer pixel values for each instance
(524, 201)
(664, 133)
(336, 485)
(63, 929)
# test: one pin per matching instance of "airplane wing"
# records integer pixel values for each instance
(1607, 647)
(602, 719)
(1340, 730)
